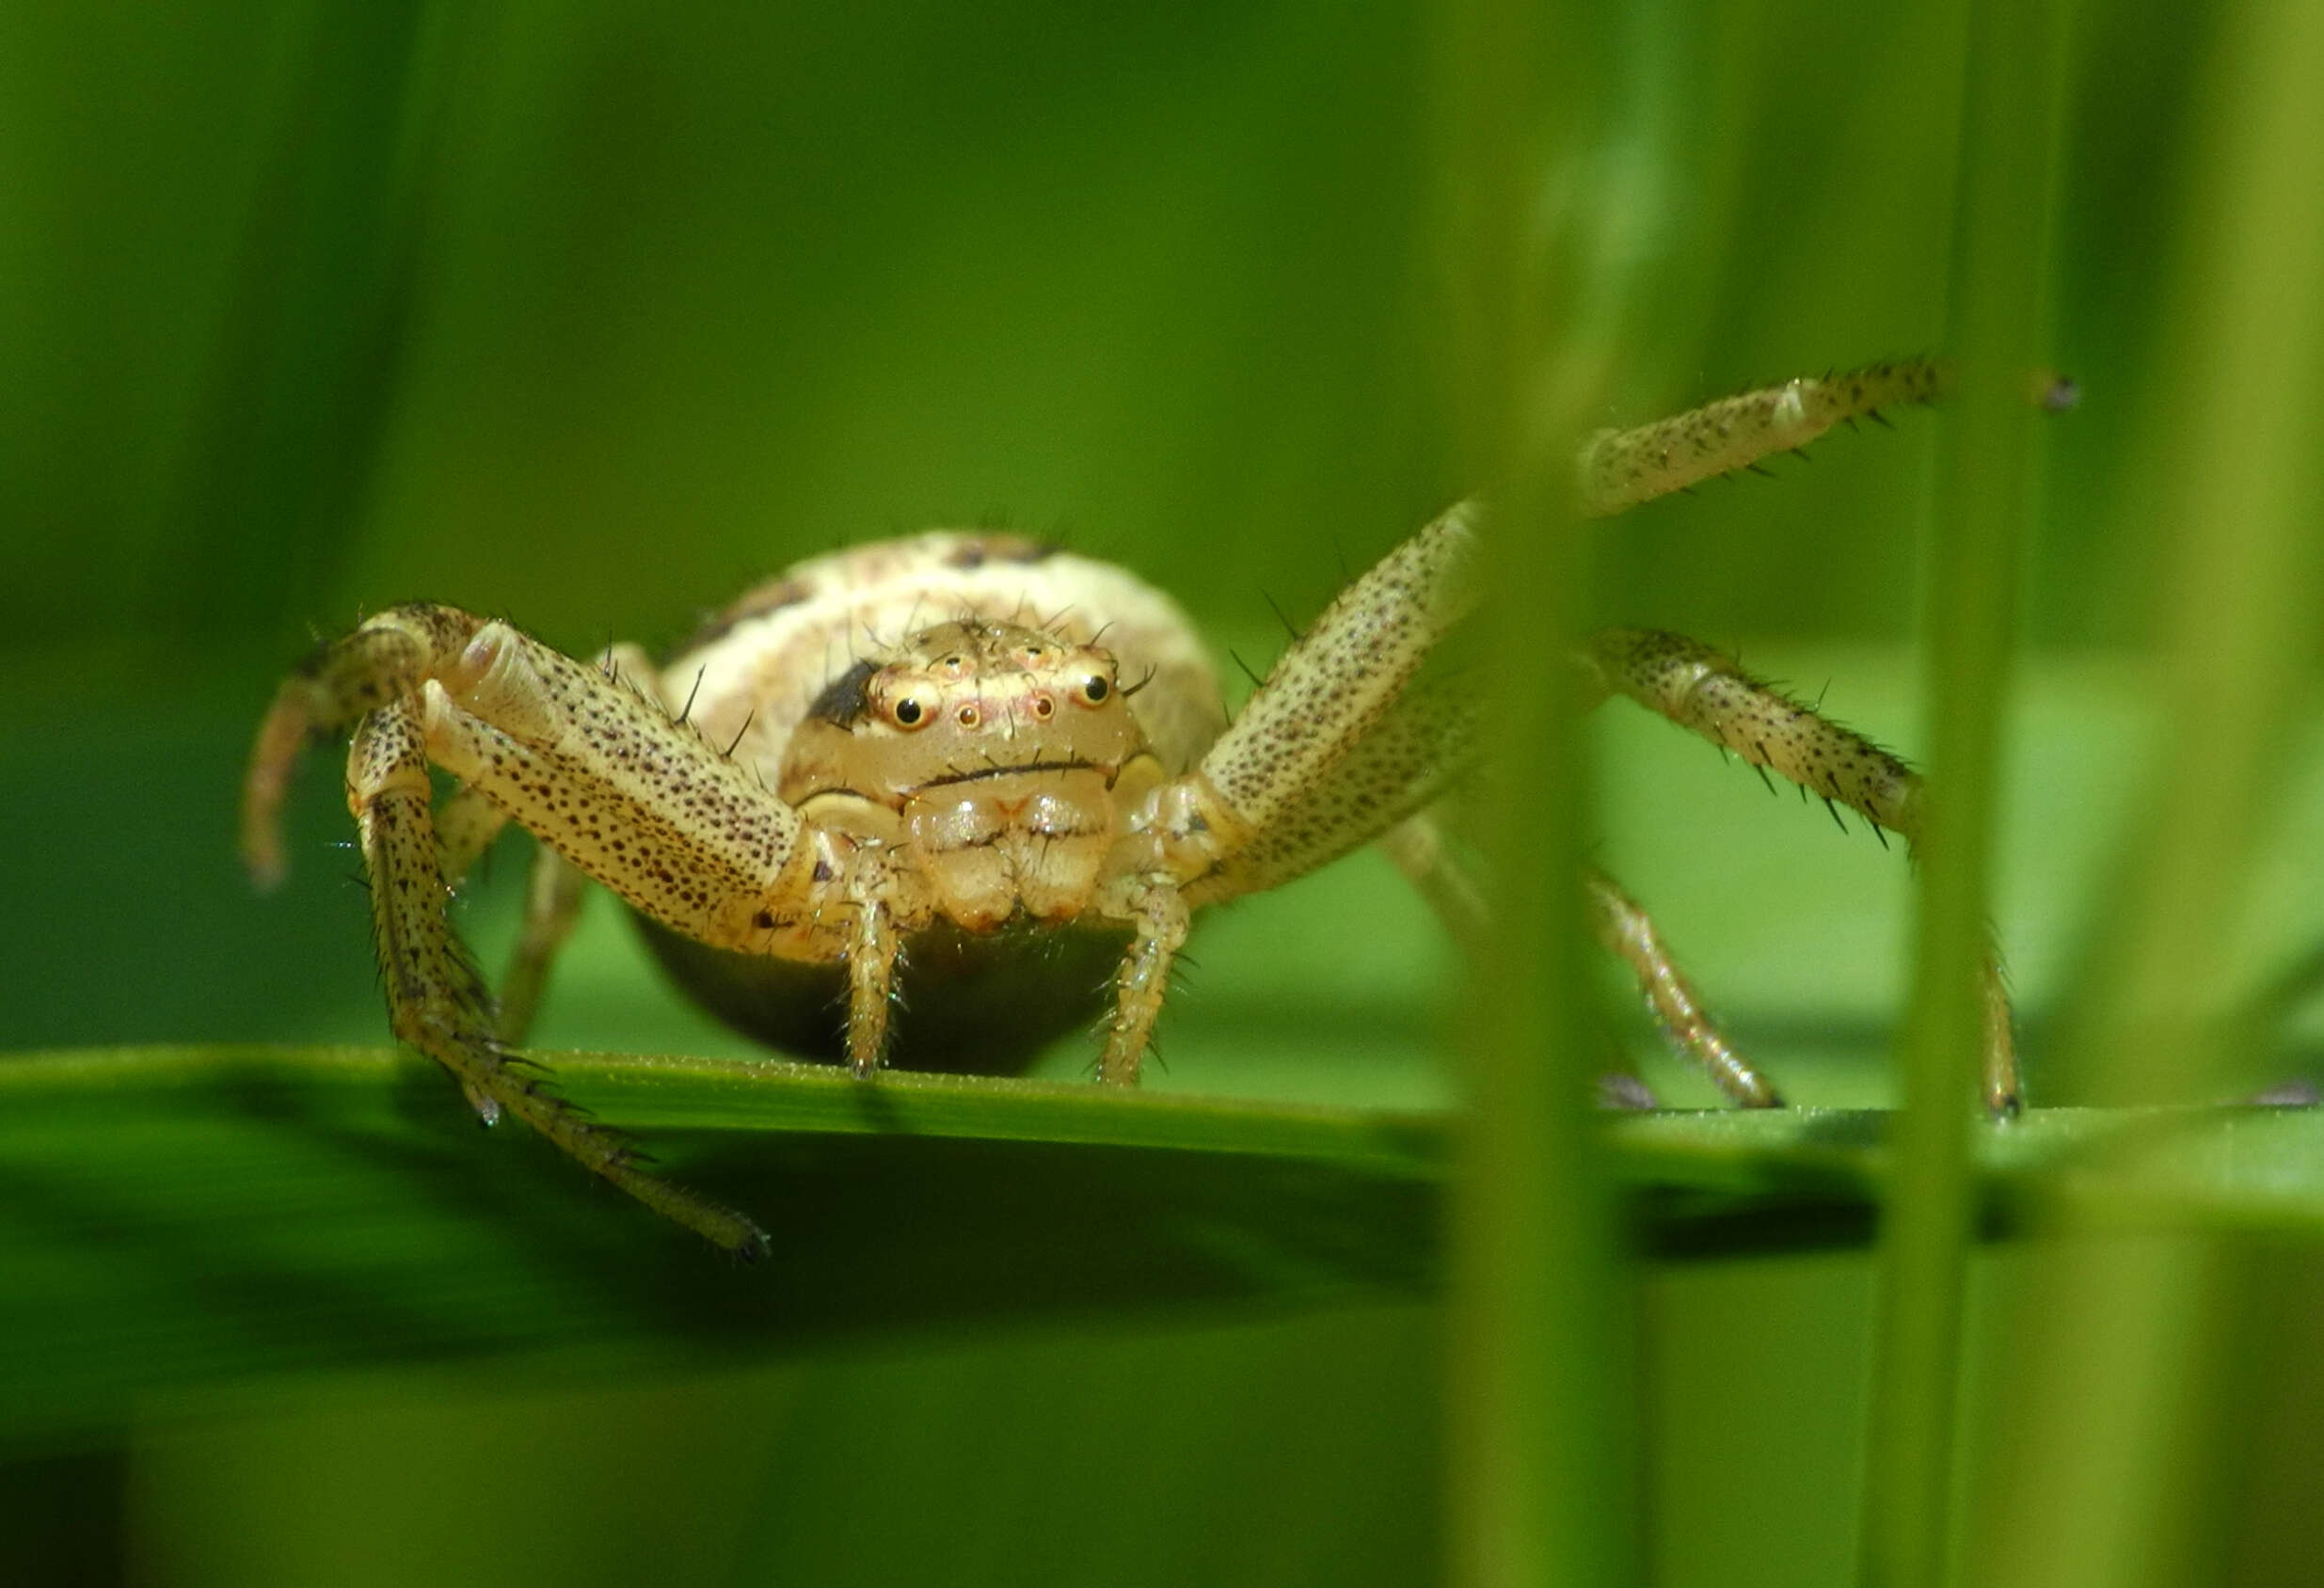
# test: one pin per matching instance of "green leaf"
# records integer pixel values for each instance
(197, 1220)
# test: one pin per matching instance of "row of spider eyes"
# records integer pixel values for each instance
(914, 711)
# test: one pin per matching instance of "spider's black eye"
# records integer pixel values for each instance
(1095, 688)
(909, 712)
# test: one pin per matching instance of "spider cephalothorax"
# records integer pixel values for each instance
(979, 770)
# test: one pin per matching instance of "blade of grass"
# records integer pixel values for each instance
(2120, 1396)
(1540, 1488)
(2010, 96)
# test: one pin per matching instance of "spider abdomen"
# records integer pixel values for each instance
(967, 1003)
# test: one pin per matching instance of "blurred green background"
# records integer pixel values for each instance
(589, 315)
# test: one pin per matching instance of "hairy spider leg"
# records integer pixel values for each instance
(1629, 934)
(1621, 469)
(436, 1002)
(555, 888)
(583, 762)
(1332, 748)
(1703, 690)
(1424, 851)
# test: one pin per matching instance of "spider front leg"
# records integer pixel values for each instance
(466, 825)
(1163, 920)
(584, 762)
(1339, 743)
(436, 1002)
(555, 888)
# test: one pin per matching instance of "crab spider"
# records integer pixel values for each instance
(991, 807)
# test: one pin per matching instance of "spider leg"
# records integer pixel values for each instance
(1629, 934)
(554, 887)
(1621, 469)
(587, 764)
(1702, 689)
(1163, 919)
(1422, 852)
(873, 950)
(465, 824)
(1337, 745)
(436, 1003)
(590, 766)
(1343, 740)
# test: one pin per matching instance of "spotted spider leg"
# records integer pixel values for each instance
(1422, 850)
(555, 744)
(1339, 745)
(1707, 693)
(555, 888)
(465, 824)
(1620, 468)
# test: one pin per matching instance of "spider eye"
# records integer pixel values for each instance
(1095, 688)
(908, 712)
(968, 716)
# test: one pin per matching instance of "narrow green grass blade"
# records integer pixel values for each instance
(1995, 330)
(2115, 1477)
(1540, 1424)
